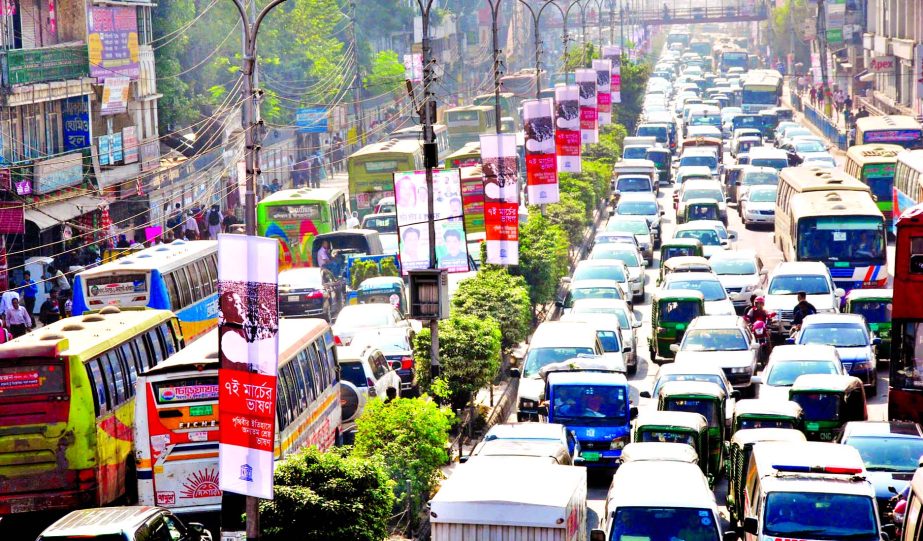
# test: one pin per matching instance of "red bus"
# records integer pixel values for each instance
(905, 400)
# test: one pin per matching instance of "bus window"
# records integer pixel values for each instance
(153, 346)
(212, 263)
(310, 377)
(143, 354)
(299, 386)
(170, 340)
(115, 380)
(207, 282)
(183, 287)
(195, 282)
(100, 393)
(320, 379)
(129, 364)
(170, 280)
(283, 407)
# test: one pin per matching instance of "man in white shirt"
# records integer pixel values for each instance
(18, 319)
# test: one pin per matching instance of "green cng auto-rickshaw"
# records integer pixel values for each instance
(875, 306)
(671, 313)
(706, 399)
(738, 456)
(678, 247)
(765, 413)
(663, 159)
(675, 427)
(657, 450)
(829, 402)
(701, 209)
(769, 121)
(389, 289)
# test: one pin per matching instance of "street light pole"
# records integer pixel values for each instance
(495, 36)
(536, 19)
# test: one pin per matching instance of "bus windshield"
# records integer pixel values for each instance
(758, 96)
(636, 523)
(583, 403)
(841, 239)
(880, 178)
(819, 515)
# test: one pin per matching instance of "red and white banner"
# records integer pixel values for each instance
(248, 349)
(603, 69)
(589, 130)
(541, 162)
(613, 53)
(567, 128)
(501, 197)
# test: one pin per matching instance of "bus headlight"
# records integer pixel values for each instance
(618, 443)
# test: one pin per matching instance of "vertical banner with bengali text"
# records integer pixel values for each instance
(567, 128)
(613, 53)
(248, 350)
(586, 80)
(541, 162)
(501, 197)
(603, 69)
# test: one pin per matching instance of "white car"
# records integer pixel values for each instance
(758, 207)
(717, 302)
(701, 189)
(707, 234)
(591, 289)
(787, 362)
(356, 318)
(366, 367)
(791, 277)
(610, 336)
(601, 269)
(639, 228)
(741, 273)
(628, 325)
(631, 257)
(819, 160)
(724, 341)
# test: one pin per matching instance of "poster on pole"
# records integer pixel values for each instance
(586, 80)
(501, 197)
(248, 351)
(412, 201)
(613, 53)
(603, 69)
(567, 128)
(541, 161)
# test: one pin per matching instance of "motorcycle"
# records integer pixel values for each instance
(897, 510)
(761, 333)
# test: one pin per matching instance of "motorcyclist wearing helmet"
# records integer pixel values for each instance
(757, 312)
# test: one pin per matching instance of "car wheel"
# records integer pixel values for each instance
(633, 369)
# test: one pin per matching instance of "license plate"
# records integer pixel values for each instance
(826, 436)
(590, 456)
(293, 298)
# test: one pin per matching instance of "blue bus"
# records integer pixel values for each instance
(181, 276)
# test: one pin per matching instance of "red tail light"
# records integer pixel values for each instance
(406, 363)
(337, 341)
(315, 295)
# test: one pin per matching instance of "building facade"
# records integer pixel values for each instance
(893, 48)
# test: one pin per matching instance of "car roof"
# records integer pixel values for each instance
(642, 483)
(697, 225)
(804, 352)
(743, 253)
(600, 263)
(601, 303)
(658, 450)
(594, 282)
(538, 431)
(691, 368)
(717, 322)
(768, 407)
(693, 170)
(767, 152)
(599, 321)
(100, 521)
(800, 267)
(899, 429)
(692, 276)
(699, 151)
(562, 334)
(700, 183)
(510, 447)
(673, 388)
(822, 319)
(746, 436)
(811, 454)
(638, 196)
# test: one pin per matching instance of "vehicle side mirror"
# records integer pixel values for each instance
(730, 536)
(636, 325)
(876, 341)
(542, 410)
(597, 535)
(645, 394)
(463, 459)
(756, 379)
(662, 212)
(674, 348)
(732, 235)
(839, 292)
(725, 242)
(633, 412)
(763, 272)
(735, 394)
(751, 525)
(515, 373)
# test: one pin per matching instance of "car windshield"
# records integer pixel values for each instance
(706, 408)
(784, 374)
(736, 267)
(842, 336)
(842, 238)
(809, 146)
(714, 340)
(540, 357)
(637, 208)
(663, 524)
(762, 196)
(629, 257)
(609, 340)
(818, 406)
(811, 284)
(708, 237)
(636, 227)
(819, 515)
(873, 311)
(582, 403)
(634, 184)
(599, 272)
(591, 293)
(703, 193)
(759, 178)
(888, 454)
(679, 311)
(708, 161)
(632, 153)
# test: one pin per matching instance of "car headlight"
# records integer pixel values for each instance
(740, 370)
(527, 404)
(618, 443)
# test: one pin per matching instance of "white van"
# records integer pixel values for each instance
(654, 499)
(790, 277)
(808, 490)
(553, 342)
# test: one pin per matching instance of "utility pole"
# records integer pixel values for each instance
(495, 37)
(357, 80)
(822, 52)
(791, 20)
(612, 21)
(536, 20)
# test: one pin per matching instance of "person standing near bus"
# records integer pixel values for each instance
(191, 229)
(50, 310)
(17, 319)
(29, 291)
(214, 222)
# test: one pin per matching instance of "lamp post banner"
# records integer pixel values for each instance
(586, 80)
(567, 128)
(501, 197)
(541, 162)
(603, 69)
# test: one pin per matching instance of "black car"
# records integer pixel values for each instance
(310, 292)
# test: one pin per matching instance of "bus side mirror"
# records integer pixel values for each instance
(876, 341)
(751, 525)
(633, 413)
(645, 394)
(542, 410)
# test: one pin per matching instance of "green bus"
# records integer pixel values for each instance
(467, 156)
(295, 217)
(371, 170)
(467, 123)
(509, 105)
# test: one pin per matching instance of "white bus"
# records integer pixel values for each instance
(176, 420)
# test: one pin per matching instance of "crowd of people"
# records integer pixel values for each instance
(197, 224)
(841, 100)
(17, 306)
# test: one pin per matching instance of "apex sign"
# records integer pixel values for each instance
(882, 64)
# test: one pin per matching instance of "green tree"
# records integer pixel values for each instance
(469, 355)
(570, 215)
(543, 258)
(634, 81)
(387, 72)
(580, 188)
(328, 497)
(494, 293)
(409, 436)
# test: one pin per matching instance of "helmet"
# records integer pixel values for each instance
(759, 299)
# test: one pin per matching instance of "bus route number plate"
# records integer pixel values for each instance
(200, 411)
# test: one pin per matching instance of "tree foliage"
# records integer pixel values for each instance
(386, 72)
(542, 257)
(494, 293)
(409, 436)
(634, 81)
(570, 214)
(328, 497)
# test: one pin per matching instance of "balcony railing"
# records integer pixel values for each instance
(56, 63)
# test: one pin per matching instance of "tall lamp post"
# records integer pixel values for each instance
(536, 19)
(495, 36)
(566, 35)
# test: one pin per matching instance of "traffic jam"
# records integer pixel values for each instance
(723, 363)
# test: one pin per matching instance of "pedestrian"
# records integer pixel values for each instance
(801, 83)
(353, 221)
(175, 222)
(314, 171)
(214, 222)
(66, 303)
(6, 300)
(50, 310)
(813, 94)
(29, 291)
(229, 221)
(122, 242)
(58, 279)
(17, 319)
(191, 228)
(275, 186)
(391, 394)
(301, 173)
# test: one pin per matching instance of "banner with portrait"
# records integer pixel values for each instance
(586, 80)
(567, 128)
(603, 69)
(501, 197)
(412, 201)
(541, 161)
(613, 53)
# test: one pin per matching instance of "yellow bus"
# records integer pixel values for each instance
(874, 165)
(181, 277)
(371, 171)
(467, 156)
(67, 397)
(826, 215)
(899, 130)
(180, 407)
(467, 123)
(415, 133)
(509, 106)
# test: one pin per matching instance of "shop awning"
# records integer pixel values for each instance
(52, 214)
